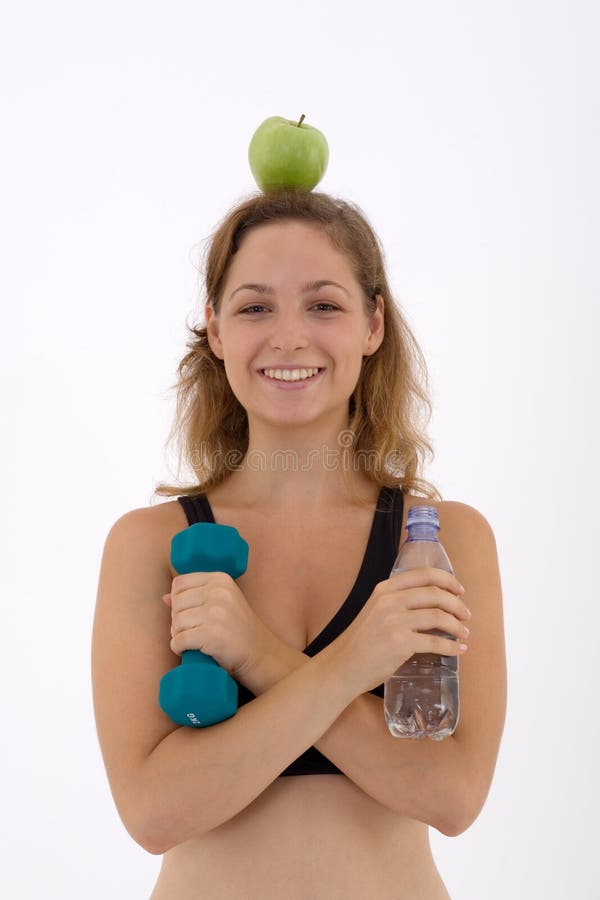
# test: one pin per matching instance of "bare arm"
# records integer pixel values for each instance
(421, 780)
(203, 777)
(172, 782)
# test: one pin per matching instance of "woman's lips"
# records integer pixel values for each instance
(299, 385)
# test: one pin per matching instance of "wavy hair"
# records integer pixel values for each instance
(389, 408)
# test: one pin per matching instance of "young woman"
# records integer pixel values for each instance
(298, 407)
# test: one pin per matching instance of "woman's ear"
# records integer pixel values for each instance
(376, 328)
(212, 331)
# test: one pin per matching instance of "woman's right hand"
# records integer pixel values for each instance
(390, 627)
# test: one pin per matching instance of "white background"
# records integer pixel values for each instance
(468, 133)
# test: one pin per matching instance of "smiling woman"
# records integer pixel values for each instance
(304, 358)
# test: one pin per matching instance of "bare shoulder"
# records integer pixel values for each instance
(155, 526)
(455, 508)
(460, 523)
(157, 516)
(464, 527)
(449, 508)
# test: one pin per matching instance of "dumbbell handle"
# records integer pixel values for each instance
(191, 657)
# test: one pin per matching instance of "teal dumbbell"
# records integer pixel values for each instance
(199, 692)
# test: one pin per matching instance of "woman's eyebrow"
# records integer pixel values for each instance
(310, 286)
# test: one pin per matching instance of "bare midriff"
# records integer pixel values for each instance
(309, 837)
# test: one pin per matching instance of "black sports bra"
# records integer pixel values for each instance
(380, 555)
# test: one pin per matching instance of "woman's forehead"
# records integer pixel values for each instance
(278, 246)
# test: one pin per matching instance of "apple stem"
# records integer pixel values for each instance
(301, 120)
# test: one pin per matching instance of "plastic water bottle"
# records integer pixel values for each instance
(421, 697)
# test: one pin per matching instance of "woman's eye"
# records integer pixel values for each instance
(248, 308)
(329, 306)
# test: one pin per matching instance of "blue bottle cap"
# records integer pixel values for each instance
(423, 515)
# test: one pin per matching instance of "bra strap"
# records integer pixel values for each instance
(194, 509)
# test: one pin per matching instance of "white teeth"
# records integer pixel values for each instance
(290, 374)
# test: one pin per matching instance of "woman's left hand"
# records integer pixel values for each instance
(210, 613)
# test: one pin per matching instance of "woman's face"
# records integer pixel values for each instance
(288, 324)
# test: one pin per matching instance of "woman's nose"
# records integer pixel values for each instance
(289, 332)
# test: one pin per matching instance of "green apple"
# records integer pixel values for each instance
(287, 154)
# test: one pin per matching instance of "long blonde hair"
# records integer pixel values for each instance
(390, 406)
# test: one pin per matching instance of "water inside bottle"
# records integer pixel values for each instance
(421, 698)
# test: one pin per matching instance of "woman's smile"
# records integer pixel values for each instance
(289, 385)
